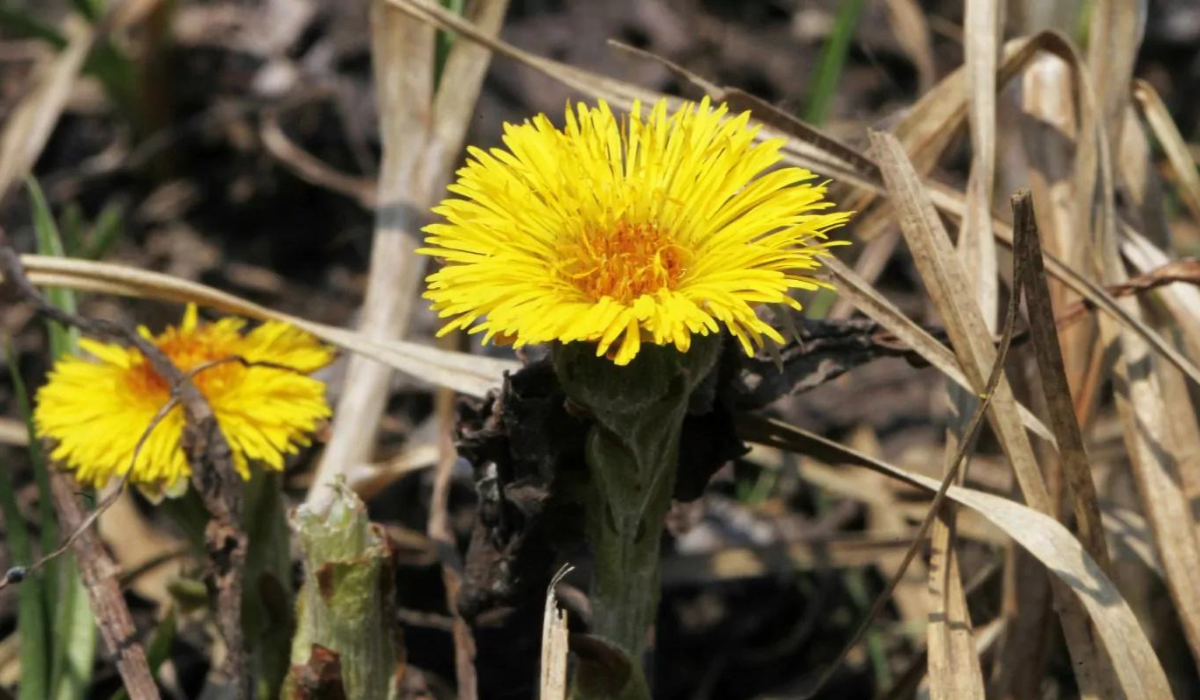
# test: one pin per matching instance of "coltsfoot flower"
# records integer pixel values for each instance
(97, 410)
(619, 231)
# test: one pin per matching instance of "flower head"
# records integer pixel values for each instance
(98, 411)
(622, 231)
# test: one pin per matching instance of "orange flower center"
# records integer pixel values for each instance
(624, 262)
(188, 351)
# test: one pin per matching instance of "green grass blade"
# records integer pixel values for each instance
(92, 10)
(71, 229)
(62, 598)
(32, 615)
(74, 635)
(49, 242)
(828, 72)
(49, 525)
(106, 231)
(73, 648)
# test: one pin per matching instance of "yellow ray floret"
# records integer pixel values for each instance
(618, 231)
(98, 409)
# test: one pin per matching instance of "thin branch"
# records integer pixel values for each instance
(208, 453)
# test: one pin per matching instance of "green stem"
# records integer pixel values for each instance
(632, 455)
(625, 510)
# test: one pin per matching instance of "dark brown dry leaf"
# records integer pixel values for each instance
(822, 351)
(1031, 281)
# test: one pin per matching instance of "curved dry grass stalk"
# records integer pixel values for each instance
(473, 375)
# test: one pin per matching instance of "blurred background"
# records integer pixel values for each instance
(238, 144)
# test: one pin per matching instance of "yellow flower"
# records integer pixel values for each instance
(97, 411)
(642, 229)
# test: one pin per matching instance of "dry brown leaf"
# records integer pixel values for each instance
(1031, 281)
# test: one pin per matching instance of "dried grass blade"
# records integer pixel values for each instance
(868, 300)
(402, 51)
(1187, 179)
(953, 203)
(1139, 672)
(976, 245)
(1182, 303)
(933, 122)
(947, 284)
(1155, 455)
(908, 25)
(29, 125)
(1049, 139)
(973, 686)
(554, 644)
(473, 375)
(1114, 37)
(945, 279)
(1153, 445)
(953, 661)
(461, 81)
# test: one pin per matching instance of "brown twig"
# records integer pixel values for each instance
(1182, 270)
(17, 574)
(208, 453)
(100, 576)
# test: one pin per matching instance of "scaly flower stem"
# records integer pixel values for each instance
(632, 455)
